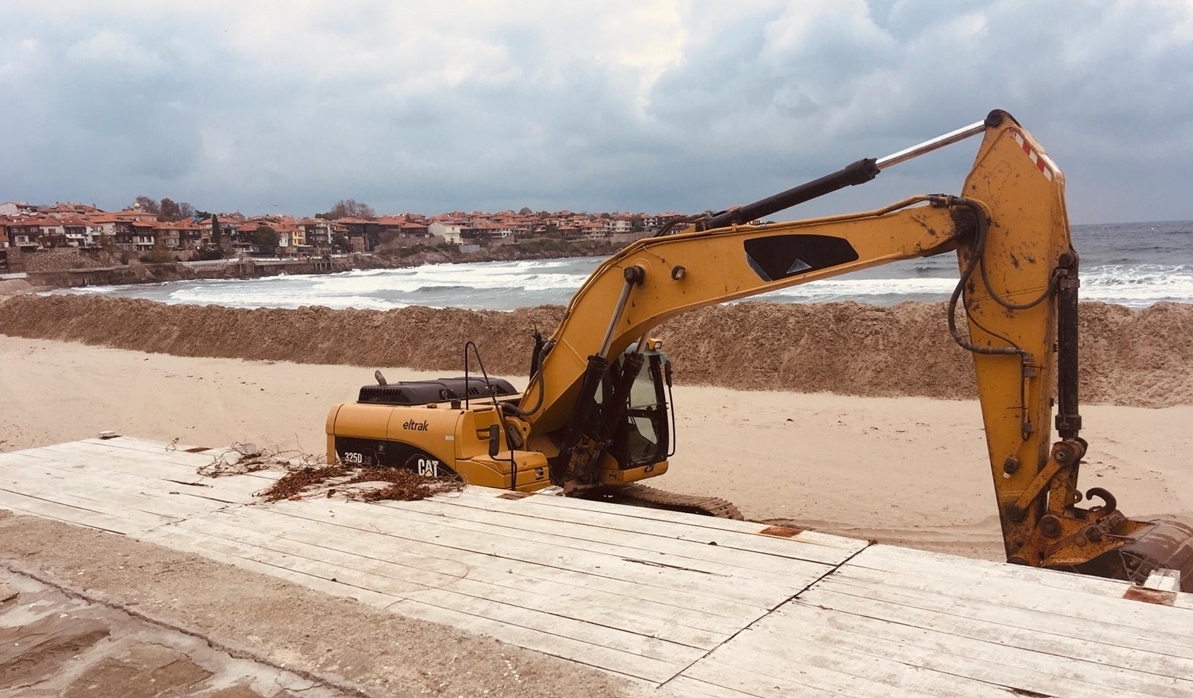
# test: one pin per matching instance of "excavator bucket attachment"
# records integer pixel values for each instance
(1158, 545)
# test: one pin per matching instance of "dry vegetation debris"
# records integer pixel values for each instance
(310, 475)
(399, 485)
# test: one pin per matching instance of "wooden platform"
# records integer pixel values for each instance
(689, 605)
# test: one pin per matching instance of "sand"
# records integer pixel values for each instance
(1138, 358)
(907, 470)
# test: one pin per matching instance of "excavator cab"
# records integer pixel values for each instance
(619, 431)
(643, 436)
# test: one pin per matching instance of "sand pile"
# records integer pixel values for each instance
(13, 287)
(1142, 358)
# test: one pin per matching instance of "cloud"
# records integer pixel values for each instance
(117, 54)
(432, 106)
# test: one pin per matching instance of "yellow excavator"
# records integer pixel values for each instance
(596, 417)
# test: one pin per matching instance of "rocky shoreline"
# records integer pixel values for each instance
(55, 269)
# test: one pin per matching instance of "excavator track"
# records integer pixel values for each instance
(641, 495)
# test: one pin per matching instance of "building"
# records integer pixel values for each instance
(450, 230)
(12, 208)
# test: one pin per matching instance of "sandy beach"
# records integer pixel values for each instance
(908, 470)
(900, 460)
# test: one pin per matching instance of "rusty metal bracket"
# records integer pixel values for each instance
(1099, 534)
(1064, 454)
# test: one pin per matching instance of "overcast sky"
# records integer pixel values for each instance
(643, 105)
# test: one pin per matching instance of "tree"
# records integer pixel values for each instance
(340, 243)
(265, 239)
(168, 211)
(216, 233)
(147, 204)
(350, 208)
(636, 223)
(525, 211)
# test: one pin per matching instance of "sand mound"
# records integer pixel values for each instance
(1142, 358)
(12, 287)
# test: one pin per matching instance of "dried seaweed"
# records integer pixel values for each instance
(242, 459)
(310, 475)
(299, 480)
(404, 485)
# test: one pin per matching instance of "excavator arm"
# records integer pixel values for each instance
(1017, 290)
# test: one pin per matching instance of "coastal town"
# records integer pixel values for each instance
(151, 231)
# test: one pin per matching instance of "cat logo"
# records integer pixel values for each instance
(428, 467)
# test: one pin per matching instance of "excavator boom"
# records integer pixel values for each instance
(1018, 290)
(593, 419)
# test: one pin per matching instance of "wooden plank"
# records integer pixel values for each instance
(713, 616)
(785, 573)
(1160, 639)
(112, 495)
(357, 585)
(219, 551)
(176, 466)
(460, 592)
(765, 680)
(699, 629)
(703, 559)
(132, 443)
(1085, 644)
(186, 464)
(673, 655)
(93, 484)
(160, 455)
(714, 595)
(971, 582)
(894, 559)
(151, 446)
(610, 518)
(227, 490)
(127, 442)
(542, 550)
(67, 513)
(761, 658)
(624, 663)
(690, 520)
(96, 511)
(137, 463)
(215, 550)
(856, 637)
(684, 687)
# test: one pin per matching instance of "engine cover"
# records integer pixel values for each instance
(439, 390)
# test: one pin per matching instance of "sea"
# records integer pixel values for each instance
(1132, 264)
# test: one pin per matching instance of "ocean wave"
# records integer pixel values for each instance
(441, 289)
(507, 285)
(93, 290)
(237, 298)
(502, 276)
(1138, 285)
(861, 289)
